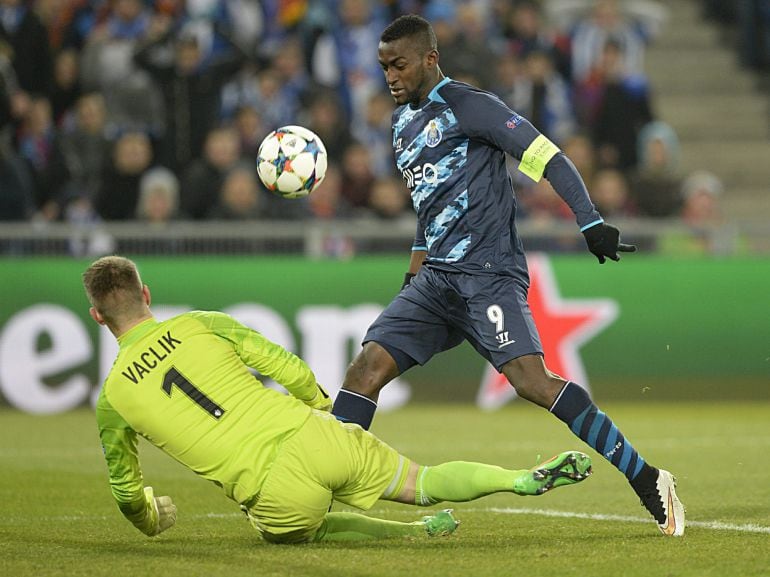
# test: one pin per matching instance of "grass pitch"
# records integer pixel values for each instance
(57, 516)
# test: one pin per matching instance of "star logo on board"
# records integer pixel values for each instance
(564, 326)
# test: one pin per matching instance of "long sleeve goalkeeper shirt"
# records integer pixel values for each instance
(185, 385)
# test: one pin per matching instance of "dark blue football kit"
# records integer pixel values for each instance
(473, 284)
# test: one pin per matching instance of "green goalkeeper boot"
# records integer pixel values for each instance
(564, 469)
(441, 524)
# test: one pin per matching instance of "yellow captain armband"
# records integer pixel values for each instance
(536, 156)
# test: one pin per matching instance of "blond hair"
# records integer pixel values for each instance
(114, 288)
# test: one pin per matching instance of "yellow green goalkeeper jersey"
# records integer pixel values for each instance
(184, 385)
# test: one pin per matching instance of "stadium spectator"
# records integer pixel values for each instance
(202, 180)
(343, 59)
(282, 458)
(754, 37)
(616, 105)
(80, 154)
(390, 199)
(22, 31)
(158, 197)
(605, 23)
(191, 86)
(239, 196)
(251, 130)
(107, 66)
(611, 195)
(357, 175)
(35, 143)
(702, 213)
(66, 86)
(76, 22)
(296, 85)
(507, 71)
(375, 132)
(702, 192)
(17, 188)
(279, 87)
(656, 183)
(10, 95)
(580, 150)
(460, 29)
(326, 117)
(119, 191)
(524, 30)
(543, 96)
(262, 91)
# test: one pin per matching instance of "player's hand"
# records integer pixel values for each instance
(161, 514)
(603, 240)
(322, 401)
(407, 279)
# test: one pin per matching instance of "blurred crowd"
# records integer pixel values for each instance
(153, 110)
(748, 22)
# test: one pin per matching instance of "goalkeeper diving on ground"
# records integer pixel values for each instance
(184, 384)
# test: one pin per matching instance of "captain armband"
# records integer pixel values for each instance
(537, 155)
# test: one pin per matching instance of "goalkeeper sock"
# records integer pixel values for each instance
(350, 407)
(583, 417)
(459, 481)
(357, 527)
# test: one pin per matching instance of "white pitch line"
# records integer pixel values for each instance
(713, 525)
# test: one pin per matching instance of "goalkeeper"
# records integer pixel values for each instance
(184, 384)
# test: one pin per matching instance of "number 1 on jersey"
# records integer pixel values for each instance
(174, 377)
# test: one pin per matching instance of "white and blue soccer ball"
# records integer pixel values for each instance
(291, 161)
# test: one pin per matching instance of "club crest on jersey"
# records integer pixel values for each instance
(513, 121)
(433, 134)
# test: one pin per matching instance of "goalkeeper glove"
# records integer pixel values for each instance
(321, 402)
(159, 514)
(407, 279)
(603, 240)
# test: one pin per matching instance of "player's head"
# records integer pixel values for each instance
(118, 297)
(408, 54)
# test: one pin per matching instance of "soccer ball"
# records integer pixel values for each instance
(291, 161)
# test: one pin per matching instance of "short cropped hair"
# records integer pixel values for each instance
(114, 287)
(412, 26)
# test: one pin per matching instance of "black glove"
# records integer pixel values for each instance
(603, 240)
(407, 279)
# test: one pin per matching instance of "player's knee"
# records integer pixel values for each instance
(533, 382)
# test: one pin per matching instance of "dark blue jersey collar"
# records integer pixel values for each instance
(433, 95)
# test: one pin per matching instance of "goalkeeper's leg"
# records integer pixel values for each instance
(357, 527)
(458, 481)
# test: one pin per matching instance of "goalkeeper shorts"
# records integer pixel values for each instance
(324, 460)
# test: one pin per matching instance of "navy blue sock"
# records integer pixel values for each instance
(350, 407)
(575, 407)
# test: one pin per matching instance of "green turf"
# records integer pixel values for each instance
(57, 516)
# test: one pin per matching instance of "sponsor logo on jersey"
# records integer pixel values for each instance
(433, 136)
(513, 121)
(427, 172)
